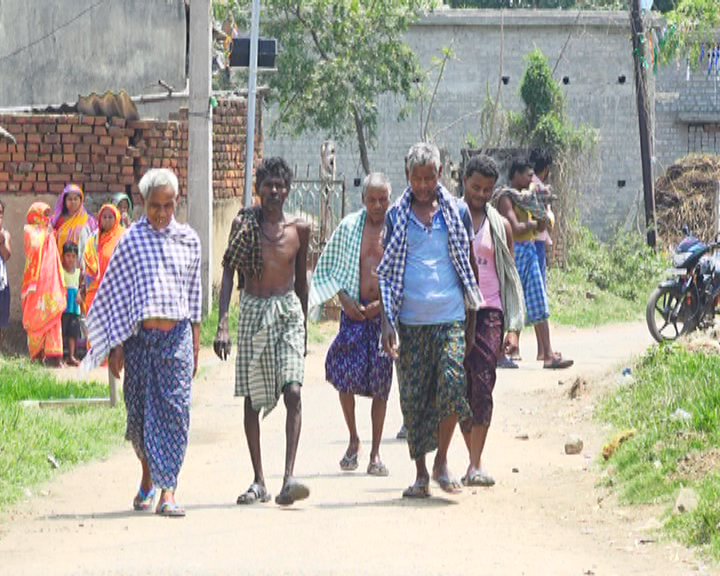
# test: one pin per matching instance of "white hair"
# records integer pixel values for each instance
(422, 154)
(158, 178)
(376, 180)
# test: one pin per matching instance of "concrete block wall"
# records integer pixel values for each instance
(592, 51)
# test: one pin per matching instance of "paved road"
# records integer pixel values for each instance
(549, 517)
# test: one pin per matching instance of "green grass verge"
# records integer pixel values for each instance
(668, 452)
(30, 435)
(603, 282)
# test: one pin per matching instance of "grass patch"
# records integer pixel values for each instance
(30, 435)
(668, 452)
(604, 283)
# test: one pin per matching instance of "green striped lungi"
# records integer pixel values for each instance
(270, 348)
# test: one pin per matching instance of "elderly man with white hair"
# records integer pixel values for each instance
(354, 366)
(146, 316)
(428, 279)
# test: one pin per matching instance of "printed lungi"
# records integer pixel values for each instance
(270, 348)
(354, 363)
(432, 381)
(158, 375)
(480, 366)
(528, 267)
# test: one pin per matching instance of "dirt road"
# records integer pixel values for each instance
(546, 515)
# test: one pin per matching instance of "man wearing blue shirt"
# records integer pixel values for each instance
(427, 282)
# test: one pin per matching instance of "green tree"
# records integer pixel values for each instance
(337, 57)
(691, 24)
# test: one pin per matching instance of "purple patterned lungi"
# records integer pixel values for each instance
(158, 375)
(354, 363)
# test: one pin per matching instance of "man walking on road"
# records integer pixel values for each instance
(146, 314)
(427, 280)
(269, 255)
(354, 365)
(502, 309)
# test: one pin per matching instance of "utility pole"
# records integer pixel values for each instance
(251, 99)
(643, 106)
(200, 192)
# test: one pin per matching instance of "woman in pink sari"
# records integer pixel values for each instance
(43, 291)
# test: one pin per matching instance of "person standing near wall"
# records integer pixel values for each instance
(71, 221)
(5, 254)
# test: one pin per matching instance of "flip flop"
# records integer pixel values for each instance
(170, 510)
(143, 501)
(479, 478)
(291, 493)
(377, 469)
(421, 489)
(254, 494)
(449, 485)
(559, 363)
(349, 463)
(507, 363)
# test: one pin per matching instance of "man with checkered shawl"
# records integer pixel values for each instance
(269, 254)
(354, 364)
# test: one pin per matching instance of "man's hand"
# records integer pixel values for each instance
(354, 310)
(372, 310)
(116, 361)
(389, 340)
(510, 345)
(196, 352)
(222, 344)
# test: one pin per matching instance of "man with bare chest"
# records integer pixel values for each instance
(354, 365)
(269, 254)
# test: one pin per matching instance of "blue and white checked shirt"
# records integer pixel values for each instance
(152, 274)
(391, 271)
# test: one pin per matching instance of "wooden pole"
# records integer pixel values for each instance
(643, 107)
(251, 99)
(200, 193)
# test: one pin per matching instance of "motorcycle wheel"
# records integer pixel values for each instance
(669, 314)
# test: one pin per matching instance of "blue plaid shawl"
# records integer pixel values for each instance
(152, 274)
(391, 271)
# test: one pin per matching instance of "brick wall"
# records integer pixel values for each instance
(107, 156)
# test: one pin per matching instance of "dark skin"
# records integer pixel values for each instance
(521, 181)
(478, 191)
(159, 209)
(69, 262)
(423, 182)
(284, 253)
(376, 201)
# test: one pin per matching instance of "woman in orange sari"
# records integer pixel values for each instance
(99, 249)
(71, 221)
(43, 291)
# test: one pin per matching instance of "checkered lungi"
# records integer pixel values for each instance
(158, 375)
(537, 308)
(432, 381)
(270, 348)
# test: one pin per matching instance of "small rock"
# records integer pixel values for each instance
(590, 296)
(53, 461)
(577, 388)
(573, 444)
(687, 501)
(515, 470)
(522, 437)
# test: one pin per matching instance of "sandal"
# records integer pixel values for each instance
(421, 489)
(377, 469)
(170, 510)
(558, 363)
(143, 501)
(291, 493)
(447, 484)
(479, 478)
(255, 493)
(349, 463)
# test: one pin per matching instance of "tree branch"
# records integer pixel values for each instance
(362, 144)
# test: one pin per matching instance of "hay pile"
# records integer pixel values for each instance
(685, 195)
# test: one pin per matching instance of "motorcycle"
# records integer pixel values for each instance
(689, 298)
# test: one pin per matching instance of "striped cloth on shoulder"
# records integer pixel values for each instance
(244, 250)
(339, 265)
(391, 271)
